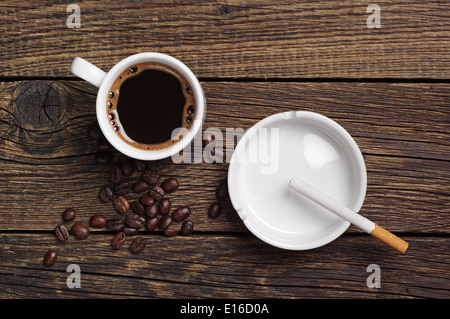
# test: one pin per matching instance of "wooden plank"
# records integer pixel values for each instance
(398, 119)
(399, 193)
(206, 266)
(48, 160)
(236, 38)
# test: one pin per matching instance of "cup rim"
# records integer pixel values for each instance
(115, 140)
(249, 216)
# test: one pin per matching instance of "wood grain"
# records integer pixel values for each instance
(387, 87)
(48, 160)
(233, 39)
(221, 266)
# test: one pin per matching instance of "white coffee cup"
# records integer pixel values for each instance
(104, 81)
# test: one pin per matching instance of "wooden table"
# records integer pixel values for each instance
(388, 87)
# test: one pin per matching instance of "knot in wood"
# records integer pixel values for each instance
(39, 105)
(223, 10)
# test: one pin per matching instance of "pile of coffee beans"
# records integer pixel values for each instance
(150, 211)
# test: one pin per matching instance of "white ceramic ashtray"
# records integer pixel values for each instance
(303, 144)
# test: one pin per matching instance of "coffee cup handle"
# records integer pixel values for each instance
(87, 71)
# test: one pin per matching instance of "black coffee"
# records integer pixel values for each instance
(147, 102)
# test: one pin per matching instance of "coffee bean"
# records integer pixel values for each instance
(181, 213)
(151, 223)
(69, 215)
(152, 210)
(165, 222)
(130, 231)
(115, 224)
(170, 185)
(127, 168)
(94, 132)
(135, 220)
(170, 232)
(150, 177)
(61, 232)
(50, 258)
(156, 192)
(122, 188)
(115, 173)
(187, 228)
(164, 206)
(138, 245)
(80, 231)
(140, 186)
(139, 165)
(137, 207)
(118, 240)
(146, 200)
(222, 191)
(104, 157)
(154, 166)
(98, 221)
(121, 204)
(106, 194)
(214, 210)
